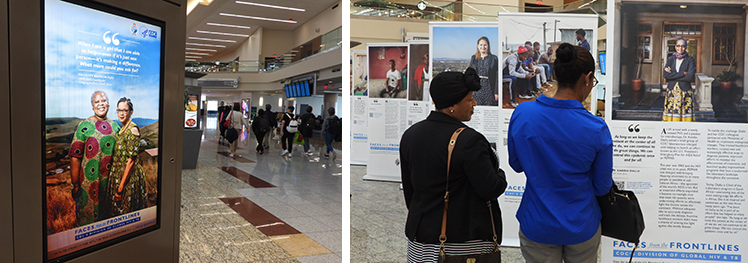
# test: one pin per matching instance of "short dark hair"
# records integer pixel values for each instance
(528, 43)
(571, 62)
(331, 111)
(580, 32)
(260, 112)
(268, 107)
(392, 60)
(237, 107)
(308, 108)
(536, 43)
(290, 108)
(125, 99)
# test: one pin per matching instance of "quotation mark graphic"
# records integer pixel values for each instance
(633, 128)
(113, 39)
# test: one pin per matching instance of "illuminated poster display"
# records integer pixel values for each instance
(103, 82)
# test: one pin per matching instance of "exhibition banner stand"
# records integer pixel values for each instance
(690, 177)
(387, 109)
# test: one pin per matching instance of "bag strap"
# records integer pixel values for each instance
(443, 235)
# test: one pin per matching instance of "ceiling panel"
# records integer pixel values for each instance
(199, 18)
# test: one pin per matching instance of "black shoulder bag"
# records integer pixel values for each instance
(622, 216)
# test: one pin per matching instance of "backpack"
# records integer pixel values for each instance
(335, 128)
(263, 124)
(292, 124)
(311, 123)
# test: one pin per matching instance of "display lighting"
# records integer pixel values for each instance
(259, 18)
(196, 53)
(192, 57)
(212, 39)
(200, 49)
(204, 45)
(227, 25)
(222, 33)
(271, 6)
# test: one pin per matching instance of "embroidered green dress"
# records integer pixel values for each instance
(134, 194)
(93, 144)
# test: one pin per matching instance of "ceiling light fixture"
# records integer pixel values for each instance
(222, 33)
(195, 53)
(227, 25)
(204, 45)
(271, 6)
(200, 49)
(683, 6)
(259, 18)
(212, 39)
(192, 57)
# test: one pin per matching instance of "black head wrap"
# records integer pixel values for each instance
(449, 88)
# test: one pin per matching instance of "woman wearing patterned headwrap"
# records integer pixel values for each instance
(126, 191)
(90, 160)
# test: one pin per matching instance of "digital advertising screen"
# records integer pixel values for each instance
(103, 70)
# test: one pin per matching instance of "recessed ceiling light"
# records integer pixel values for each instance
(200, 49)
(204, 45)
(271, 6)
(222, 33)
(683, 6)
(192, 57)
(227, 25)
(259, 18)
(212, 39)
(195, 53)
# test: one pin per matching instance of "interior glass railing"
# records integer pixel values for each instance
(456, 11)
(320, 45)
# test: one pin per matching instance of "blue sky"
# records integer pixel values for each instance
(461, 42)
(69, 30)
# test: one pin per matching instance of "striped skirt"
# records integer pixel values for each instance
(420, 252)
(678, 105)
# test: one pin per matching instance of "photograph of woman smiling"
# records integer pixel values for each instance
(126, 189)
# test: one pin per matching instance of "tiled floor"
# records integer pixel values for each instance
(302, 193)
(378, 216)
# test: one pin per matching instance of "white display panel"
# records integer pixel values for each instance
(689, 177)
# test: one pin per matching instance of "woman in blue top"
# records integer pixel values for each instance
(559, 216)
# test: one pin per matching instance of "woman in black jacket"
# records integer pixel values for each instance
(679, 71)
(474, 179)
(307, 128)
(260, 126)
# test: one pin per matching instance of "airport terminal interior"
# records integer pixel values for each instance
(275, 205)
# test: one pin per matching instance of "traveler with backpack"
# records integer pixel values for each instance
(307, 128)
(260, 126)
(289, 127)
(332, 128)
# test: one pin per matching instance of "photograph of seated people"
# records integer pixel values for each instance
(530, 65)
(521, 81)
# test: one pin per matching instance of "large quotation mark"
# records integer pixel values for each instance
(634, 128)
(112, 40)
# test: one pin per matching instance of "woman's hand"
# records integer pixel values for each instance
(667, 69)
(117, 195)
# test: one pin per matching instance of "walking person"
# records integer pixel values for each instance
(289, 126)
(270, 116)
(559, 216)
(237, 123)
(472, 177)
(307, 128)
(329, 127)
(260, 126)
